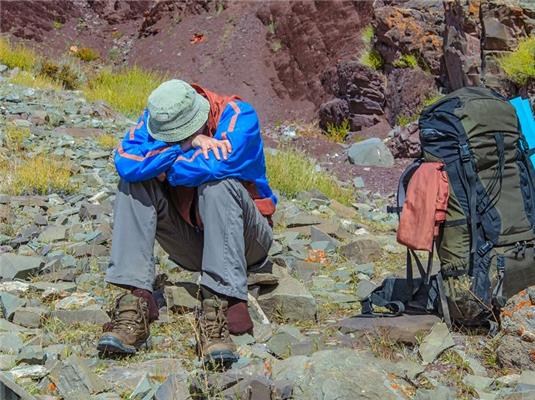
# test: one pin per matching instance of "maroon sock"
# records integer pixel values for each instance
(239, 320)
(153, 308)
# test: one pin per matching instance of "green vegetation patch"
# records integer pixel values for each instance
(372, 58)
(519, 65)
(406, 61)
(292, 172)
(17, 56)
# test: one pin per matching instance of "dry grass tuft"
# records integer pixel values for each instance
(15, 137)
(38, 175)
(107, 141)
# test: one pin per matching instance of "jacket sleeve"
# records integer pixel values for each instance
(239, 124)
(139, 157)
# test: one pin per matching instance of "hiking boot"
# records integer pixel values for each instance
(129, 326)
(214, 345)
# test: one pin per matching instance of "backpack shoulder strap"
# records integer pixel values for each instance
(404, 180)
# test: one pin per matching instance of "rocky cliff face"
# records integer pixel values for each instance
(427, 47)
(291, 59)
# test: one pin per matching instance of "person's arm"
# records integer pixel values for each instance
(239, 125)
(139, 157)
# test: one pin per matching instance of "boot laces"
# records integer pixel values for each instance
(129, 319)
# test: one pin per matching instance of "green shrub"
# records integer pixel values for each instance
(125, 90)
(291, 172)
(87, 54)
(17, 56)
(406, 61)
(338, 133)
(63, 74)
(519, 65)
(372, 59)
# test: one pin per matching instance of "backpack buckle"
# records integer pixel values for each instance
(465, 152)
(484, 249)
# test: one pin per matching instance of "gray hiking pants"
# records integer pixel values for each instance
(235, 238)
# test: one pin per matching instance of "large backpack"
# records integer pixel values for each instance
(485, 246)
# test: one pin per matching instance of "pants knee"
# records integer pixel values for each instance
(216, 191)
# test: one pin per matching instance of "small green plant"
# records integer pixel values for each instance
(17, 56)
(406, 61)
(271, 26)
(117, 34)
(15, 137)
(87, 54)
(519, 65)
(367, 35)
(291, 172)
(38, 175)
(372, 58)
(125, 90)
(107, 141)
(338, 133)
(114, 54)
(57, 24)
(276, 45)
(432, 99)
(404, 119)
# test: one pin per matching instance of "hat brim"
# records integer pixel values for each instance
(171, 133)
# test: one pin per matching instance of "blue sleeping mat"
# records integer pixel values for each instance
(527, 122)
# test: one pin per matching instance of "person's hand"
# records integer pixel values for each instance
(162, 177)
(207, 143)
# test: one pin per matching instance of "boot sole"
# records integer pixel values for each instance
(112, 345)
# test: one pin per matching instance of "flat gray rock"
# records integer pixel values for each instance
(289, 299)
(13, 266)
(341, 374)
(405, 328)
(88, 315)
(438, 340)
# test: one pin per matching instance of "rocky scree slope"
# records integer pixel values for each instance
(54, 249)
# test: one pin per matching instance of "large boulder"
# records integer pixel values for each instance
(407, 89)
(370, 152)
(359, 92)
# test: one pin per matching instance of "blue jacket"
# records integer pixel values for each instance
(140, 157)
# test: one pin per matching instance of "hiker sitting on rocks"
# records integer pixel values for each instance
(193, 177)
